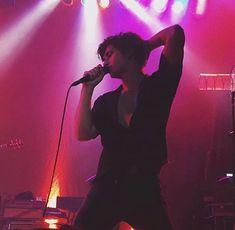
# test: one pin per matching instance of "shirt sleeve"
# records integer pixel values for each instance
(159, 89)
(169, 75)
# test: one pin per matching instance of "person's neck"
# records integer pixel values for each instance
(131, 81)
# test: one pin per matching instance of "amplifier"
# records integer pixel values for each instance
(23, 225)
(71, 203)
(223, 209)
(23, 210)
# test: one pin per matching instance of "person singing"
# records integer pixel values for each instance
(131, 121)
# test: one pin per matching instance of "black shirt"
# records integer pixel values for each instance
(143, 143)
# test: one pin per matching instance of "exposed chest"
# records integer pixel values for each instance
(126, 107)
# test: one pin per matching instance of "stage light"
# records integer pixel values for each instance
(137, 8)
(159, 6)
(68, 2)
(142, 13)
(55, 191)
(178, 7)
(104, 3)
(201, 6)
(229, 174)
(178, 10)
(51, 223)
(101, 3)
(90, 8)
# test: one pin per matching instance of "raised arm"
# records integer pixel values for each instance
(84, 127)
(173, 39)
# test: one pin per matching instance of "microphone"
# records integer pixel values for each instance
(87, 77)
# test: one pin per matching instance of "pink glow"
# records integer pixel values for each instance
(140, 11)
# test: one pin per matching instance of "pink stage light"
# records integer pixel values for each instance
(137, 9)
(201, 7)
(89, 28)
(178, 7)
(142, 13)
(178, 10)
(101, 3)
(90, 8)
(159, 6)
(104, 3)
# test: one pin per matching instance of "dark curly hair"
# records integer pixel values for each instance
(129, 44)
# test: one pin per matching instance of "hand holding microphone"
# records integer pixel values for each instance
(94, 76)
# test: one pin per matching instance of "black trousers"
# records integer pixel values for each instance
(134, 199)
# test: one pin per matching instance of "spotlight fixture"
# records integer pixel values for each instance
(104, 3)
(159, 6)
(178, 7)
(201, 7)
(101, 3)
(68, 2)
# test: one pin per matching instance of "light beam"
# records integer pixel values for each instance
(141, 12)
(201, 7)
(15, 39)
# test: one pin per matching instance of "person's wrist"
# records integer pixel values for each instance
(87, 88)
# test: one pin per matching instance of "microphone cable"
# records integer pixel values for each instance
(85, 78)
(58, 149)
